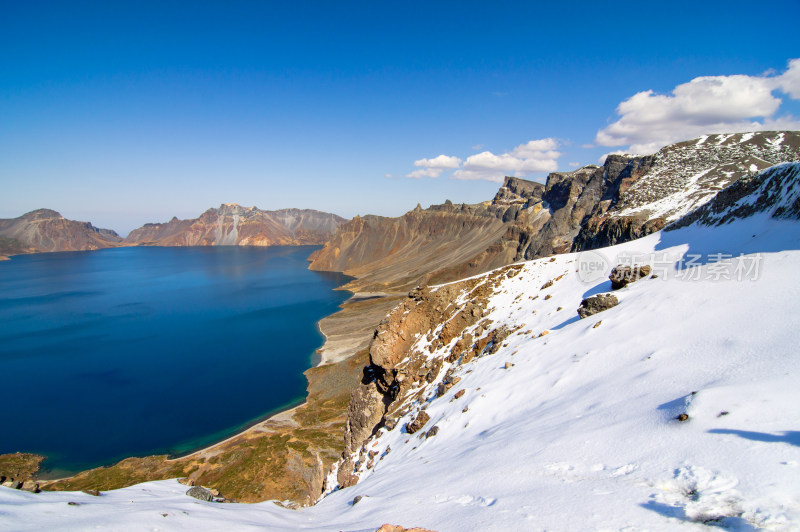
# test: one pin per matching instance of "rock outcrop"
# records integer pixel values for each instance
(45, 230)
(234, 225)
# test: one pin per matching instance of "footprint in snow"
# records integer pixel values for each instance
(466, 500)
(627, 469)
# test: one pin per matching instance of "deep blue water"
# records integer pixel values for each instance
(137, 351)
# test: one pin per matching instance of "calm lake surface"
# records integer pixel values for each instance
(137, 351)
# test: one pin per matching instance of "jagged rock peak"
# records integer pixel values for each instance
(233, 208)
(516, 191)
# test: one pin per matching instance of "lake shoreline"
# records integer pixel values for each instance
(227, 321)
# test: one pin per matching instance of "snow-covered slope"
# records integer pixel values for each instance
(575, 429)
(688, 174)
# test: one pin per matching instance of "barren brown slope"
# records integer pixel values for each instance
(232, 224)
(46, 230)
(388, 254)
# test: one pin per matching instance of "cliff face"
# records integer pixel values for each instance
(595, 206)
(446, 242)
(46, 230)
(234, 225)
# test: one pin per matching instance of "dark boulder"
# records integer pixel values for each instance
(621, 276)
(200, 493)
(599, 303)
(432, 432)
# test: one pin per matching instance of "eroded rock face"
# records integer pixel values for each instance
(450, 316)
(592, 305)
(363, 415)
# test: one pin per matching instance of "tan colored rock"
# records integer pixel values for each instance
(30, 485)
(397, 528)
(418, 422)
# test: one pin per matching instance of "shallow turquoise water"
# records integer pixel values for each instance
(136, 351)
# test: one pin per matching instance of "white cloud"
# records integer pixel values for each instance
(426, 172)
(534, 156)
(440, 161)
(574, 165)
(708, 104)
(434, 167)
(789, 82)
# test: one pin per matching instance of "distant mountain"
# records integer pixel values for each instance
(626, 198)
(234, 225)
(46, 230)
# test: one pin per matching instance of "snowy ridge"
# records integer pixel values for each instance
(775, 191)
(689, 174)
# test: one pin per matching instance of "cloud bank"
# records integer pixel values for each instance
(707, 104)
(534, 156)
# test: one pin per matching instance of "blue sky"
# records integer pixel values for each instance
(122, 113)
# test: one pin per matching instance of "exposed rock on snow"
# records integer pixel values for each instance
(200, 493)
(418, 422)
(621, 276)
(592, 305)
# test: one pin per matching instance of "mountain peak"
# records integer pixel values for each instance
(42, 214)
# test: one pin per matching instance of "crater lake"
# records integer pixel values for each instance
(148, 350)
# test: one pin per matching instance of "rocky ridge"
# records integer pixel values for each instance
(45, 230)
(595, 206)
(775, 191)
(679, 179)
(234, 225)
